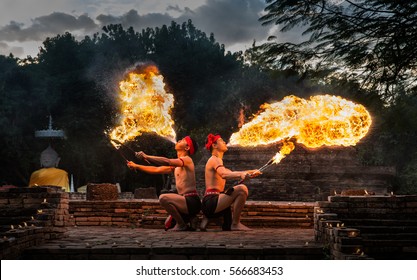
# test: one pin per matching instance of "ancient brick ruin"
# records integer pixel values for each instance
(348, 227)
(305, 174)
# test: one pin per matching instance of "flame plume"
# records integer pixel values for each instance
(323, 120)
(286, 149)
(144, 106)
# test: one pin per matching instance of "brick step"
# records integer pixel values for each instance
(391, 249)
(378, 214)
(157, 221)
(380, 222)
(277, 214)
(387, 243)
(390, 236)
(387, 229)
(107, 252)
(277, 222)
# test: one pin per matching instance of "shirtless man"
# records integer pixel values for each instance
(186, 202)
(217, 201)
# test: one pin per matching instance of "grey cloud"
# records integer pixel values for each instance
(138, 22)
(231, 21)
(55, 23)
(174, 8)
(5, 49)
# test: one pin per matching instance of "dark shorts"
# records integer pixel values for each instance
(209, 204)
(208, 207)
(193, 205)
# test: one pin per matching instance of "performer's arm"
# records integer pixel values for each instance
(150, 169)
(160, 160)
(225, 173)
(228, 174)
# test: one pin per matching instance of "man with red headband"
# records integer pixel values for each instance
(183, 206)
(218, 202)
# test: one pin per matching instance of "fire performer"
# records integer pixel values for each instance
(186, 204)
(217, 202)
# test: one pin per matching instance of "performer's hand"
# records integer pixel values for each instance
(141, 155)
(131, 165)
(243, 176)
(254, 173)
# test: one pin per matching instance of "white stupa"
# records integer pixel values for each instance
(50, 132)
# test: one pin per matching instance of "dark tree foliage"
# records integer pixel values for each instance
(375, 40)
(77, 83)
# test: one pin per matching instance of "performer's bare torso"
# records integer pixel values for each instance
(185, 178)
(213, 179)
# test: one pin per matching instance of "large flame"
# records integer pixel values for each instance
(286, 149)
(144, 106)
(323, 120)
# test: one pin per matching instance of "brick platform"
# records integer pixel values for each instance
(127, 243)
(147, 213)
(345, 227)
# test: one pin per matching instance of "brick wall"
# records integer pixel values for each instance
(147, 213)
(29, 216)
(381, 227)
(305, 174)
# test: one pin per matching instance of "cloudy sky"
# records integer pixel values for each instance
(25, 24)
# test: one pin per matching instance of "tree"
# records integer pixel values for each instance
(17, 97)
(374, 40)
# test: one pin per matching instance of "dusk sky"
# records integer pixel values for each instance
(24, 24)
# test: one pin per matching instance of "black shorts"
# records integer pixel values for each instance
(193, 205)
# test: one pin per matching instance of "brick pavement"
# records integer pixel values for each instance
(139, 243)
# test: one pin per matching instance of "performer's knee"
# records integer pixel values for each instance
(242, 190)
(163, 199)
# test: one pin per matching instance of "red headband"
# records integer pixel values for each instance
(211, 139)
(190, 144)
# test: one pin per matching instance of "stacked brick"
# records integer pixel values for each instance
(29, 216)
(83, 196)
(339, 241)
(305, 174)
(383, 227)
(102, 192)
(129, 213)
(149, 214)
(15, 241)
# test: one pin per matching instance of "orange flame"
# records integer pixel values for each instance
(144, 106)
(321, 120)
(286, 149)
